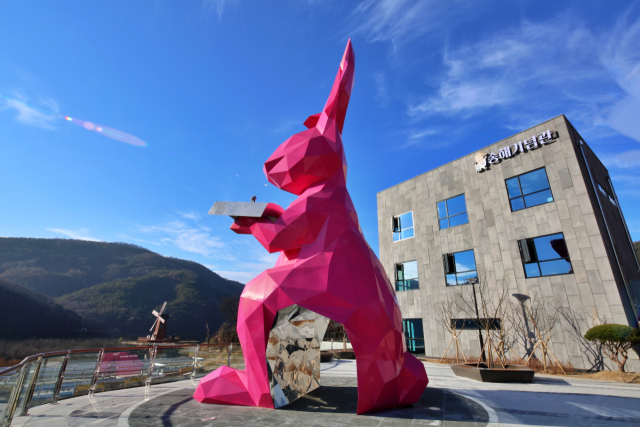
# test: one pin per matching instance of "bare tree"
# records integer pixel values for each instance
(490, 308)
(486, 307)
(445, 313)
(539, 318)
(574, 323)
(494, 304)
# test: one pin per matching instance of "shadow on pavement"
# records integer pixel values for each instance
(333, 404)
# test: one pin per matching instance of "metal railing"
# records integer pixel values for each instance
(49, 377)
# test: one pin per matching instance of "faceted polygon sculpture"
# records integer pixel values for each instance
(293, 353)
(325, 265)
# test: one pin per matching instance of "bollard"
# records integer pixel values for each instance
(152, 362)
(96, 372)
(229, 356)
(195, 362)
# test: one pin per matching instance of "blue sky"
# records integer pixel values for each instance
(213, 87)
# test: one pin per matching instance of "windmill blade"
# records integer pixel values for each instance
(155, 313)
(163, 306)
(154, 324)
(160, 318)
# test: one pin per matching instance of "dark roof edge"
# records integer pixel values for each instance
(455, 160)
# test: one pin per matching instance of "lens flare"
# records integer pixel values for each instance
(103, 130)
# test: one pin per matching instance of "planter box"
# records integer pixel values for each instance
(325, 356)
(344, 354)
(509, 374)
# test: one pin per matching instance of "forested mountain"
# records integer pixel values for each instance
(23, 311)
(114, 286)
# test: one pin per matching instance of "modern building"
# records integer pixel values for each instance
(535, 212)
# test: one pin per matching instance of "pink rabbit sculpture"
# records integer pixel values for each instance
(325, 265)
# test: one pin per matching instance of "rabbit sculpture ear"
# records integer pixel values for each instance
(336, 106)
(312, 120)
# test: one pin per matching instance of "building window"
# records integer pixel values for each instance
(407, 276)
(545, 256)
(452, 212)
(529, 189)
(607, 195)
(492, 324)
(402, 226)
(413, 335)
(460, 268)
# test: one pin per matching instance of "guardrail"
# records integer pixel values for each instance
(49, 377)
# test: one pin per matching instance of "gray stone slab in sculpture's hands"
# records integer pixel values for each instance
(236, 209)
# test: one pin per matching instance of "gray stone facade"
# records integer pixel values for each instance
(593, 293)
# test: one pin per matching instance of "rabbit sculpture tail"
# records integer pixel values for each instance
(325, 265)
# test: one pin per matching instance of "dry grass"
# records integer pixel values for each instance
(13, 352)
(614, 376)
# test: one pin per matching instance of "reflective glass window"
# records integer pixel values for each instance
(403, 226)
(529, 189)
(407, 276)
(461, 268)
(456, 205)
(465, 261)
(545, 256)
(513, 187)
(458, 220)
(534, 181)
(517, 204)
(442, 209)
(538, 198)
(452, 212)
(413, 335)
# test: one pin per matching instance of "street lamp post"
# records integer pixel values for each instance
(472, 281)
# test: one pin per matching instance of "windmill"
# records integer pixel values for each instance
(159, 328)
(159, 325)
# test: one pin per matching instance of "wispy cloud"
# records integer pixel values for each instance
(419, 136)
(244, 272)
(622, 59)
(626, 160)
(30, 115)
(190, 238)
(129, 238)
(399, 21)
(537, 69)
(240, 276)
(380, 82)
(80, 234)
(190, 215)
(217, 6)
(510, 67)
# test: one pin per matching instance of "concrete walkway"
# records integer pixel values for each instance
(448, 401)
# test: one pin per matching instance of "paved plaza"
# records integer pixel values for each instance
(448, 401)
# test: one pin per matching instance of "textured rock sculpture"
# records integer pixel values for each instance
(293, 353)
(325, 266)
